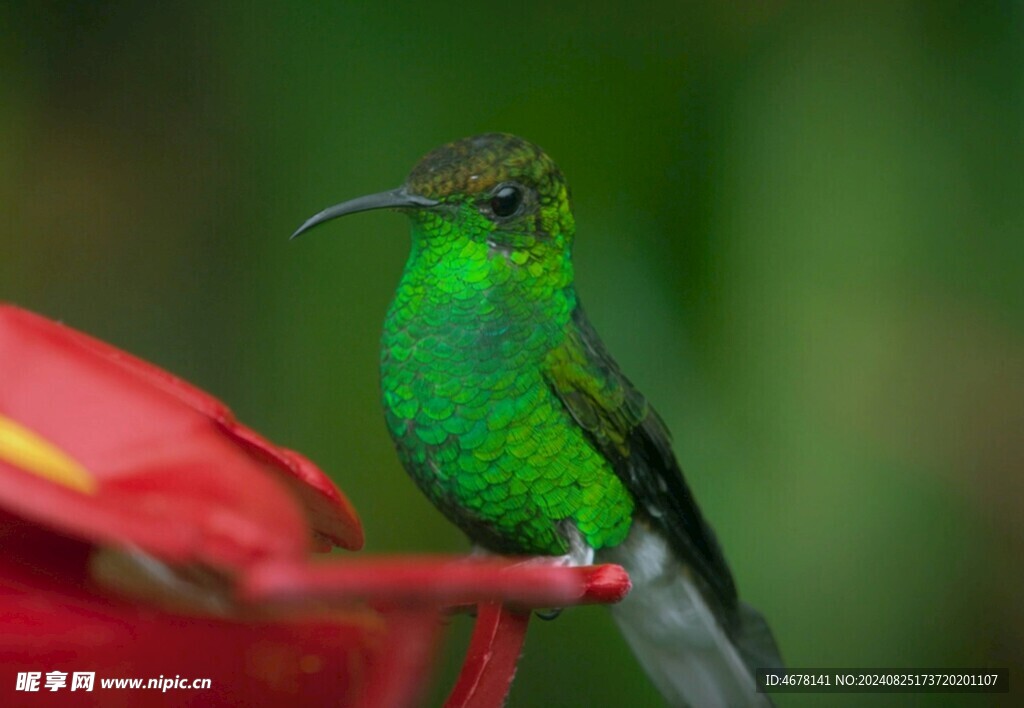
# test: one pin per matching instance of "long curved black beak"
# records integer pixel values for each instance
(393, 199)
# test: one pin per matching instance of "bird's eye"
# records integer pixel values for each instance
(506, 200)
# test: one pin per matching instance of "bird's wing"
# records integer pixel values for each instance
(631, 435)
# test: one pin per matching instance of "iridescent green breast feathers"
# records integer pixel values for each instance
(485, 301)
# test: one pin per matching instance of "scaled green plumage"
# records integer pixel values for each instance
(470, 341)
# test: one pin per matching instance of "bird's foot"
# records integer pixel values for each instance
(580, 552)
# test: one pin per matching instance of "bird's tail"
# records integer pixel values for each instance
(695, 655)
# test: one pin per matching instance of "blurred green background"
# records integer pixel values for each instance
(800, 231)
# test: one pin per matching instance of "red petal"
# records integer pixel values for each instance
(439, 580)
(491, 660)
(330, 513)
(176, 474)
(56, 620)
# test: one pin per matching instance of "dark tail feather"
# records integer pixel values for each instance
(755, 640)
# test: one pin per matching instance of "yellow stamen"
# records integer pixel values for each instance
(26, 450)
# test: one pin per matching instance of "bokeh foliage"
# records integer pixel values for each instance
(800, 231)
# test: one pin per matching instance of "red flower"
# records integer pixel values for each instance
(147, 534)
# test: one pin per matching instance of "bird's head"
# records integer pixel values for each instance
(495, 191)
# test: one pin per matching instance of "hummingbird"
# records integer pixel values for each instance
(512, 417)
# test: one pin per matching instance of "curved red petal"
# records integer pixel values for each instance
(55, 619)
(174, 472)
(330, 513)
(490, 663)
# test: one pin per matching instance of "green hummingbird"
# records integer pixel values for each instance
(512, 417)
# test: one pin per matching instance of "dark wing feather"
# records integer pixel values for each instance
(632, 436)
